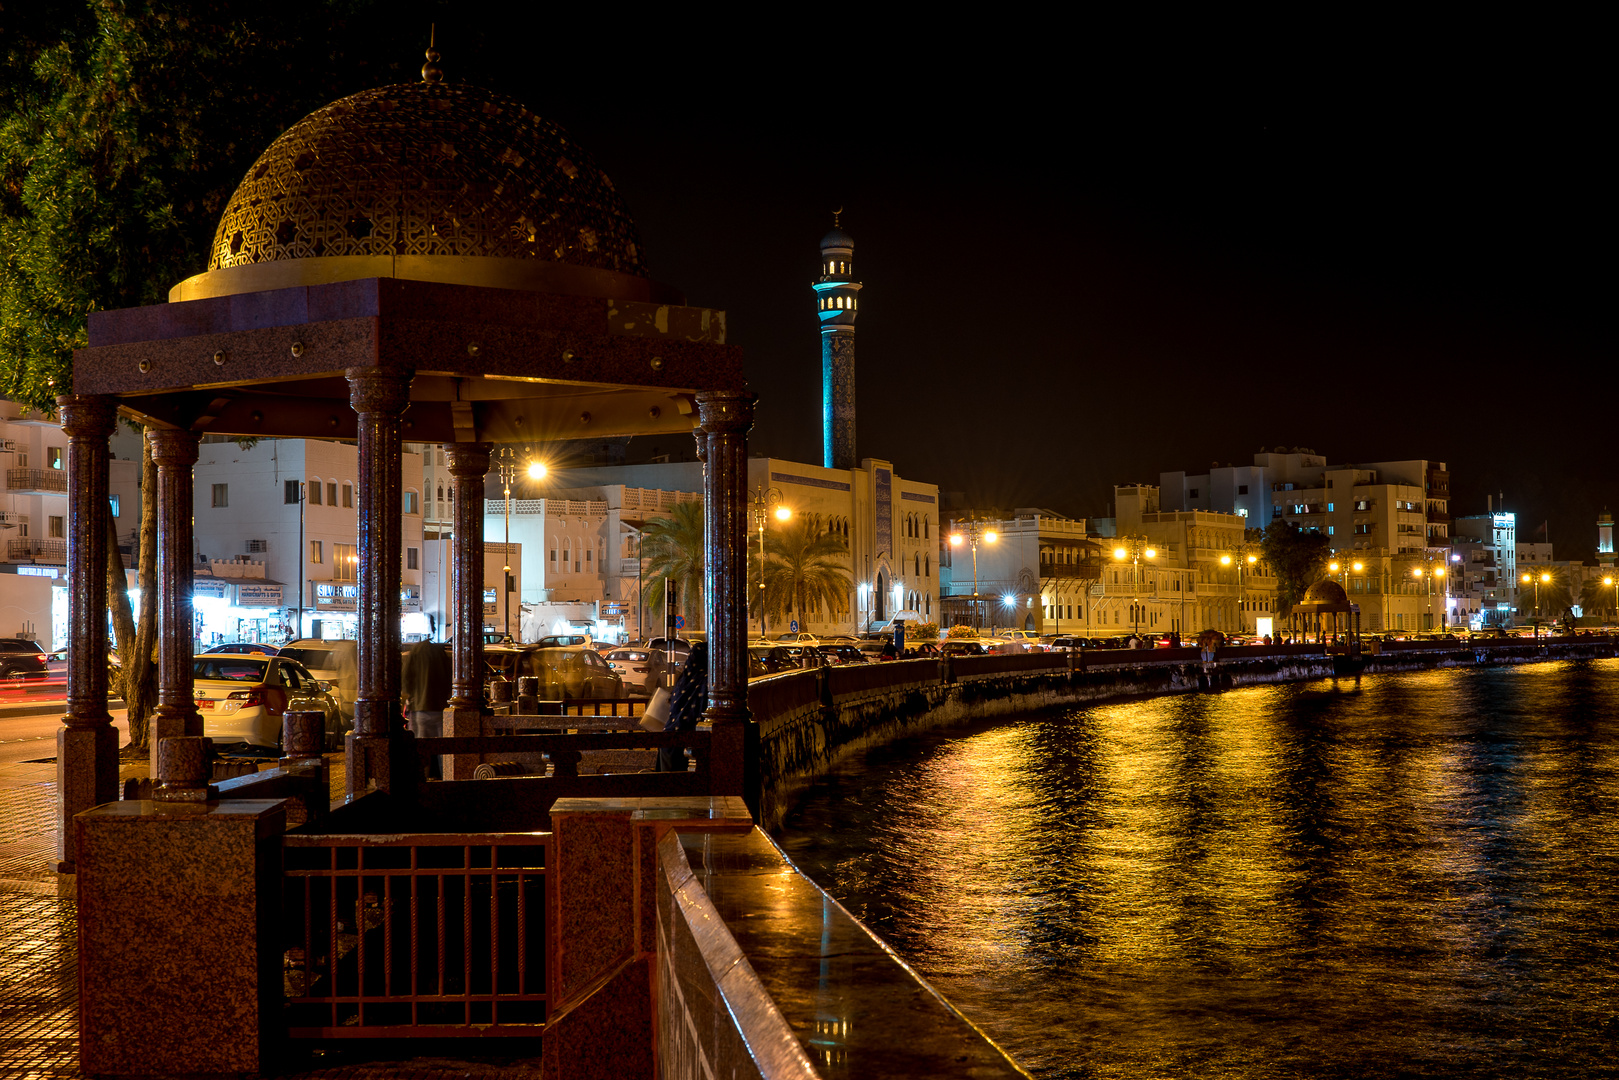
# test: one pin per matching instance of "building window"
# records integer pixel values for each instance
(112, 500)
(344, 562)
(348, 496)
(1193, 493)
(1242, 489)
(316, 552)
(53, 456)
(409, 502)
(553, 556)
(289, 491)
(221, 495)
(411, 559)
(314, 493)
(54, 526)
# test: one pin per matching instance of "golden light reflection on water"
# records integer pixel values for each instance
(1402, 874)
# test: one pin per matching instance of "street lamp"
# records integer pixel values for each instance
(1613, 583)
(975, 530)
(1134, 549)
(1244, 561)
(506, 467)
(1546, 577)
(766, 500)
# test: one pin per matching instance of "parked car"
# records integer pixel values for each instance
(565, 674)
(251, 647)
(962, 647)
(242, 697)
(843, 653)
(23, 658)
(334, 661)
(769, 659)
(634, 667)
(796, 638)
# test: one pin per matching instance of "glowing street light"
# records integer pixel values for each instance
(975, 530)
(1134, 549)
(766, 501)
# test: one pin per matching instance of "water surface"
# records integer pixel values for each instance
(1408, 875)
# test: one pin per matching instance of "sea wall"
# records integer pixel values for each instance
(809, 720)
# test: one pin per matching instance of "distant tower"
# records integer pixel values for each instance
(1605, 539)
(837, 295)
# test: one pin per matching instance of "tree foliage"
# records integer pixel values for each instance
(1297, 557)
(1597, 599)
(802, 569)
(673, 548)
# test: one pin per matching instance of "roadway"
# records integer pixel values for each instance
(30, 715)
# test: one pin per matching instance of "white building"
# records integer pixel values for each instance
(33, 521)
(280, 518)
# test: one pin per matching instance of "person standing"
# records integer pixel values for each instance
(425, 690)
(686, 706)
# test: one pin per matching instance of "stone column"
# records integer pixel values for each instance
(379, 750)
(175, 455)
(725, 416)
(87, 744)
(469, 464)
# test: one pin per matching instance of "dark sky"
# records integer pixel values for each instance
(1090, 254)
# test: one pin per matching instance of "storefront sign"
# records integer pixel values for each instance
(332, 596)
(410, 599)
(258, 595)
(211, 587)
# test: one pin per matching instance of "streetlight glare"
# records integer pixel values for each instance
(1332, 567)
(989, 536)
(783, 513)
(537, 470)
(955, 539)
(1120, 553)
(1359, 567)
(1150, 553)
(1225, 560)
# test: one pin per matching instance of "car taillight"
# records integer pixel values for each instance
(246, 697)
(43, 658)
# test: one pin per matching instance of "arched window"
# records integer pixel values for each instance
(314, 491)
(927, 566)
(917, 567)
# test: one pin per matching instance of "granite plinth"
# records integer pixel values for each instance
(179, 910)
(86, 776)
(749, 944)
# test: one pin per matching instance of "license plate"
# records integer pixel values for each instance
(205, 703)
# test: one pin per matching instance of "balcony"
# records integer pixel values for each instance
(1083, 570)
(37, 481)
(50, 552)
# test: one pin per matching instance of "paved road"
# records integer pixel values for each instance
(28, 731)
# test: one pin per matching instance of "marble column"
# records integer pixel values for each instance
(724, 418)
(175, 455)
(87, 743)
(469, 464)
(380, 751)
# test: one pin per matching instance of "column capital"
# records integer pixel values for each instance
(379, 390)
(725, 412)
(173, 447)
(469, 460)
(87, 416)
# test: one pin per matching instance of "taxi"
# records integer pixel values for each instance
(242, 697)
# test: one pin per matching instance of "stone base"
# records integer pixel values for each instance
(86, 776)
(381, 762)
(179, 924)
(462, 721)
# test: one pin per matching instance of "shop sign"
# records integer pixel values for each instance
(332, 596)
(615, 608)
(211, 587)
(410, 599)
(258, 595)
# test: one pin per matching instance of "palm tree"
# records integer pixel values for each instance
(1552, 597)
(674, 547)
(801, 568)
(1596, 598)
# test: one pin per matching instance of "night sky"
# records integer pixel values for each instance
(1091, 254)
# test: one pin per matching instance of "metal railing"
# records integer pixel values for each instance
(51, 480)
(38, 550)
(419, 935)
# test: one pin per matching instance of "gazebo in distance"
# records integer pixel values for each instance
(1326, 616)
(424, 262)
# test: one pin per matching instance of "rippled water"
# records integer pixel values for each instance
(1408, 875)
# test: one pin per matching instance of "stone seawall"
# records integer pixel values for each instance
(809, 720)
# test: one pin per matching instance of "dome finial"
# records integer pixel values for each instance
(836, 214)
(431, 72)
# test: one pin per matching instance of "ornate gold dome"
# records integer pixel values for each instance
(429, 180)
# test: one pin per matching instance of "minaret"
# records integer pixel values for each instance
(837, 295)
(1605, 554)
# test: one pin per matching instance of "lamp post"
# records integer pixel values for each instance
(766, 500)
(1612, 581)
(1244, 560)
(1134, 549)
(1546, 577)
(506, 466)
(974, 531)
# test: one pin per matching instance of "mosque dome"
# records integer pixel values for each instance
(431, 181)
(837, 239)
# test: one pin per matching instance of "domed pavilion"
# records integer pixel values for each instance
(1325, 614)
(428, 262)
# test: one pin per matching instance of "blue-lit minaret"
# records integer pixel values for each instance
(837, 296)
